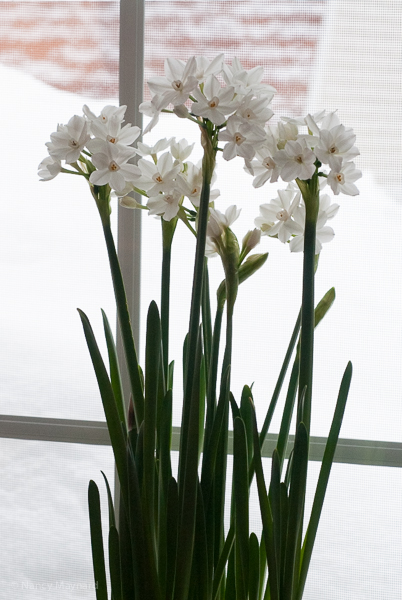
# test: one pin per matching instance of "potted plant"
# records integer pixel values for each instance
(170, 540)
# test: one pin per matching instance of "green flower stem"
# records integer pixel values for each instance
(310, 192)
(168, 229)
(208, 164)
(122, 313)
(213, 372)
(227, 357)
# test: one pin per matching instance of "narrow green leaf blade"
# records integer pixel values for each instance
(152, 363)
(324, 477)
(114, 425)
(254, 568)
(114, 564)
(296, 508)
(115, 377)
(98, 557)
(266, 516)
(112, 519)
(240, 480)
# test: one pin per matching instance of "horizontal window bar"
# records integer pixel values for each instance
(360, 452)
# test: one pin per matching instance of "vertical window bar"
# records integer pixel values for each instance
(131, 84)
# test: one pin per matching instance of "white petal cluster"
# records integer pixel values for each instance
(217, 224)
(231, 105)
(284, 218)
(99, 147)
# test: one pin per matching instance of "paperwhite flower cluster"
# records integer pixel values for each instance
(284, 218)
(290, 154)
(98, 147)
(166, 177)
(232, 103)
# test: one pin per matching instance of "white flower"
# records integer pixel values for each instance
(342, 177)
(113, 133)
(165, 204)
(177, 84)
(245, 81)
(205, 68)
(336, 142)
(112, 167)
(242, 139)
(217, 224)
(255, 110)
(324, 234)
(156, 178)
(106, 113)
(150, 110)
(296, 161)
(215, 103)
(283, 132)
(69, 140)
(145, 150)
(275, 217)
(263, 166)
(190, 184)
(49, 168)
(181, 150)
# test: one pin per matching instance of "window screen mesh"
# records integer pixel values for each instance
(54, 57)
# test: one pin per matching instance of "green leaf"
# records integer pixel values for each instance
(254, 568)
(125, 325)
(203, 581)
(172, 519)
(170, 376)
(281, 378)
(188, 484)
(201, 417)
(211, 450)
(275, 502)
(296, 508)
(152, 363)
(115, 376)
(283, 436)
(323, 478)
(165, 475)
(284, 504)
(114, 425)
(112, 520)
(145, 577)
(223, 559)
(266, 516)
(126, 559)
(240, 480)
(263, 566)
(98, 557)
(247, 416)
(114, 564)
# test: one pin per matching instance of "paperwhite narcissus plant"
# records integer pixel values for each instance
(229, 106)
(233, 105)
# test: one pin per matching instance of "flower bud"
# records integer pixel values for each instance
(250, 240)
(251, 265)
(181, 111)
